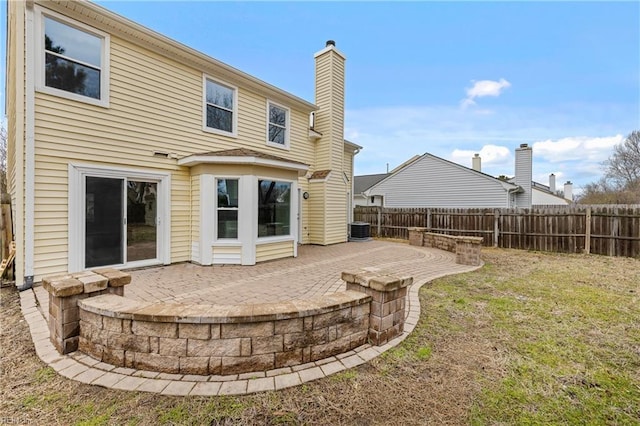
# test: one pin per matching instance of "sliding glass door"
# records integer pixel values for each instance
(142, 230)
(121, 217)
(104, 217)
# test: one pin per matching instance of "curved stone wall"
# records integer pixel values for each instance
(220, 340)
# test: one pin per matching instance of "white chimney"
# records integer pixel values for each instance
(524, 173)
(552, 183)
(476, 163)
(568, 191)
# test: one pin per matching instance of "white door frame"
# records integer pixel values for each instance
(76, 241)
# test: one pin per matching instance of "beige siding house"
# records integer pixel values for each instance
(128, 149)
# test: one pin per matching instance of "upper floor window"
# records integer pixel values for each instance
(74, 60)
(278, 125)
(220, 107)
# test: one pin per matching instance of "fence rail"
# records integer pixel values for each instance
(608, 230)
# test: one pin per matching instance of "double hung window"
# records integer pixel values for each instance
(227, 208)
(278, 126)
(220, 107)
(74, 60)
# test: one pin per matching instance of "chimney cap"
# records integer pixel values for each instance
(524, 145)
(330, 43)
(476, 155)
(552, 174)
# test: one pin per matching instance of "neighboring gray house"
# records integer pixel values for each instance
(361, 184)
(430, 181)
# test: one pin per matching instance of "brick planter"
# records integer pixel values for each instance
(64, 294)
(388, 293)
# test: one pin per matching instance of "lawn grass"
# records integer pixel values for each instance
(531, 338)
(568, 329)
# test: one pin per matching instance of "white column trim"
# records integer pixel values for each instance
(248, 218)
(207, 200)
(293, 214)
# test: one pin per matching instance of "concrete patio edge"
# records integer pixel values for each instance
(82, 368)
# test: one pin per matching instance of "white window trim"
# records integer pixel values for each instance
(77, 175)
(40, 58)
(293, 213)
(224, 241)
(287, 130)
(234, 122)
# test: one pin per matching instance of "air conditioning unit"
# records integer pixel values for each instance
(360, 231)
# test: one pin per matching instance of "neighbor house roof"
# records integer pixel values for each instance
(364, 182)
(415, 159)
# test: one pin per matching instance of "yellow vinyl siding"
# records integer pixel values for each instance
(271, 251)
(316, 203)
(16, 105)
(329, 215)
(336, 210)
(156, 104)
(180, 217)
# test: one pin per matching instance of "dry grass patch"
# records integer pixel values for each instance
(530, 338)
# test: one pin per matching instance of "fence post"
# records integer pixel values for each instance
(379, 221)
(429, 219)
(496, 227)
(615, 231)
(587, 232)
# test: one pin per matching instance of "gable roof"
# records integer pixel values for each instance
(364, 182)
(413, 161)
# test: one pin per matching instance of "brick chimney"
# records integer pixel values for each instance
(524, 174)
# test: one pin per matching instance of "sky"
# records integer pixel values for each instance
(448, 78)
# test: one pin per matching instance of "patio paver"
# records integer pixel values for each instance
(274, 281)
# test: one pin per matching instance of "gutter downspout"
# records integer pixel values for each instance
(509, 192)
(29, 156)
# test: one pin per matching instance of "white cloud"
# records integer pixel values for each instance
(395, 134)
(591, 149)
(484, 88)
(490, 155)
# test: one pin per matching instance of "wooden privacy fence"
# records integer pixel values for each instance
(608, 230)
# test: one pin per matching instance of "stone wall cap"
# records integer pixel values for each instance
(377, 279)
(116, 277)
(63, 286)
(112, 305)
(120, 307)
(416, 228)
(462, 238)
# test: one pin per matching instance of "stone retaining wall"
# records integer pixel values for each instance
(467, 249)
(65, 291)
(88, 312)
(215, 339)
